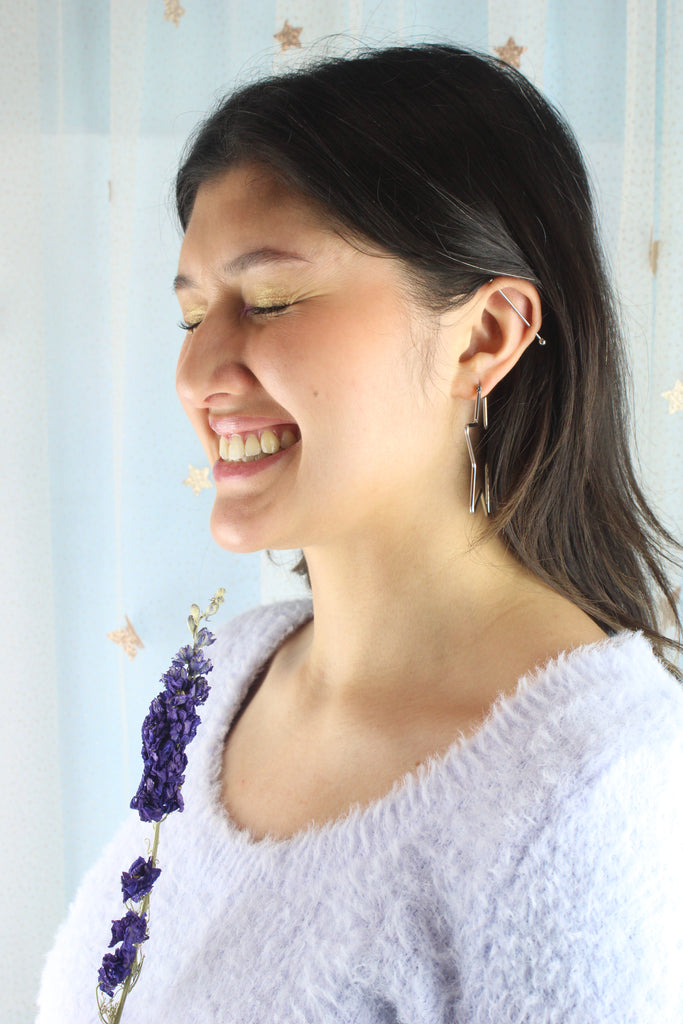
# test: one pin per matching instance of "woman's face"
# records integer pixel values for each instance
(314, 349)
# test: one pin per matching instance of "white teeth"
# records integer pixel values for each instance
(269, 442)
(238, 449)
(252, 446)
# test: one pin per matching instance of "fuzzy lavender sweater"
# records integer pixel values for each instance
(533, 874)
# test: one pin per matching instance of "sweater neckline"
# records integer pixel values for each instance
(534, 692)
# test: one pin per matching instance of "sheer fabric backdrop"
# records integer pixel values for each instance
(100, 518)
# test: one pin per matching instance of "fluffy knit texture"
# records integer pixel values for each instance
(533, 874)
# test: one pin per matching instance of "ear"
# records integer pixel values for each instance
(498, 334)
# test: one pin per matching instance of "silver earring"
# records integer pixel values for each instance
(479, 476)
(541, 341)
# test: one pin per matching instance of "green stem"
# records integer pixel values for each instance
(124, 992)
(155, 845)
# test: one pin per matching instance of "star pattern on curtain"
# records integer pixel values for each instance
(197, 479)
(675, 397)
(510, 52)
(288, 37)
(127, 639)
(173, 11)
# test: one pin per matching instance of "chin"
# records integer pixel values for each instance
(241, 535)
(233, 539)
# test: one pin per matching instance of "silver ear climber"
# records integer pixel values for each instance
(541, 341)
(479, 476)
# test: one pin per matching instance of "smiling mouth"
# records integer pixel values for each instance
(255, 445)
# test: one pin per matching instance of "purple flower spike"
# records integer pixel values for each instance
(138, 881)
(170, 725)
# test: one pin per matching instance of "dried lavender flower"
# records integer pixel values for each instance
(169, 726)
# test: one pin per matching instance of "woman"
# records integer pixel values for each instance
(446, 791)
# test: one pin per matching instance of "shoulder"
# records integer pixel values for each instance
(619, 721)
(609, 735)
(583, 716)
(580, 774)
(607, 700)
(626, 720)
(590, 871)
(613, 837)
(603, 717)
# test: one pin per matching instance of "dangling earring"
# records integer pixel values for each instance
(479, 477)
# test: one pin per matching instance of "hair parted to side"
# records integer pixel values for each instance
(454, 163)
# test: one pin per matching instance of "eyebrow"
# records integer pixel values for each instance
(244, 262)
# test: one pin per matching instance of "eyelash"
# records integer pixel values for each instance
(264, 311)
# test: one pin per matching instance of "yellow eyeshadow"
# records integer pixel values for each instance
(269, 297)
(193, 316)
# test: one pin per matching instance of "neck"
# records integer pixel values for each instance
(397, 617)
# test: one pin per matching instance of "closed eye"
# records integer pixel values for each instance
(259, 311)
(265, 311)
(189, 327)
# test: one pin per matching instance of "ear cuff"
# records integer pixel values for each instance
(541, 341)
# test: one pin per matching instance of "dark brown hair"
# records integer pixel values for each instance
(454, 163)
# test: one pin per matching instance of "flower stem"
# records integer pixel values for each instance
(155, 843)
(119, 1009)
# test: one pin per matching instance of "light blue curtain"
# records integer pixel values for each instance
(99, 522)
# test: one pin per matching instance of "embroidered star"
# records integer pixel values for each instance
(197, 479)
(288, 37)
(127, 638)
(173, 11)
(675, 397)
(510, 53)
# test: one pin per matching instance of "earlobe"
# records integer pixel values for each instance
(506, 320)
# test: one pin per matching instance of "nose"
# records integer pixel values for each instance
(211, 365)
